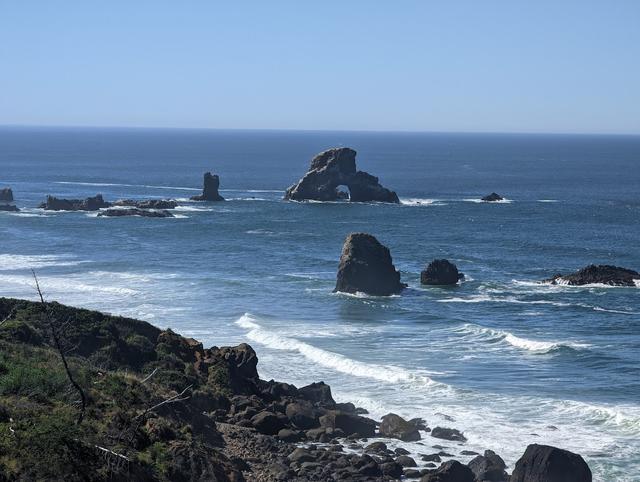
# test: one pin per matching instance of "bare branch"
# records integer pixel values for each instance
(176, 398)
(150, 375)
(55, 334)
(8, 317)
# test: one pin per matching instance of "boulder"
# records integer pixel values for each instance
(493, 197)
(448, 434)
(145, 213)
(6, 195)
(267, 423)
(489, 467)
(337, 167)
(440, 272)
(394, 426)
(89, 204)
(349, 423)
(366, 266)
(302, 414)
(406, 461)
(452, 471)
(543, 463)
(598, 274)
(317, 392)
(210, 189)
(9, 207)
(147, 203)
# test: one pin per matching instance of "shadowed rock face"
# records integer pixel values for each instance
(145, 213)
(6, 195)
(598, 274)
(9, 207)
(89, 204)
(493, 197)
(210, 189)
(543, 463)
(147, 203)
(440, 272)
(451, 471)
(333, 168)
(366, 266)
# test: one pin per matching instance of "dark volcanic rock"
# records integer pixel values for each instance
(601, 274)
(9, 207)
(440, 272)
(543, 463)
(145, 213)
(6, 195)
(493, 197)
(489, 467)
(267, 423)
(394, 426)
(303, 414)
(333, 168)
(448, 434)
(147, 203)
(89, 204)
(452, 471)
(210, 189)
(349, 423)
(366, 266)
(317, 392)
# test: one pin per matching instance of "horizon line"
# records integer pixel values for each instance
(289, 129)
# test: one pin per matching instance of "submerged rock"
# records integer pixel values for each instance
(448, 434)
(543, 463)
(337, 167)
(210, 189)
(598, 274)
(394, 426)
(9, 207)
(366, 266)
(148, 203)
(440, 272)
(6, 195)
(145, 213)
(493, 197)
(89, 204)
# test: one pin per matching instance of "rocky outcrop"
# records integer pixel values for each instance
(394, 426)
(489, 467)
(440, 272)
(543, 463)
(337, 167)
(147, 203)
(89, 204)
(366, 267)
(451, 471)
(9, 207)
(597, 274)
(210, 189)
(448, 434)
(6, 195)
(493, 197)
(145, 213)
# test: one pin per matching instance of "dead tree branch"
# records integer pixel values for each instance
(8, 317)
(55, 334)
(148, 377)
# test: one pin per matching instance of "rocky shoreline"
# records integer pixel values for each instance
(162, 407)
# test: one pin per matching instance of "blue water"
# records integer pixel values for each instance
(512, 361)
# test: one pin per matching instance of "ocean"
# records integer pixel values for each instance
(501, 357)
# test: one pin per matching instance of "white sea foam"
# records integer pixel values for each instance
(335, 361)
(421, 202)
(361, 295)
(192, 208)
(478, 200)
(18, 261)
(251, 190)
(536, 346)
(67, 284)
(548, 200)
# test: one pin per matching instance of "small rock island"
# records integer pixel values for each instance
(597, 274)
(334, 168)
(210, 189)
(441, 272)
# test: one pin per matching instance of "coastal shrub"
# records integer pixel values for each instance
(31, 380)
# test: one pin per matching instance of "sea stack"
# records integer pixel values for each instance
(210, 189)
(543, 463)
(89, 204)
(493, 197)
(6, 195)
(366, 267)
(337, 167)
(440, 272)
(598, 274)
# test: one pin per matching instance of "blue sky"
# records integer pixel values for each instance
(498, 66)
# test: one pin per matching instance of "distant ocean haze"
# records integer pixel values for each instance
(504, 356)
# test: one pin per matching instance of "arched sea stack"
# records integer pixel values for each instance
(337, 167)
